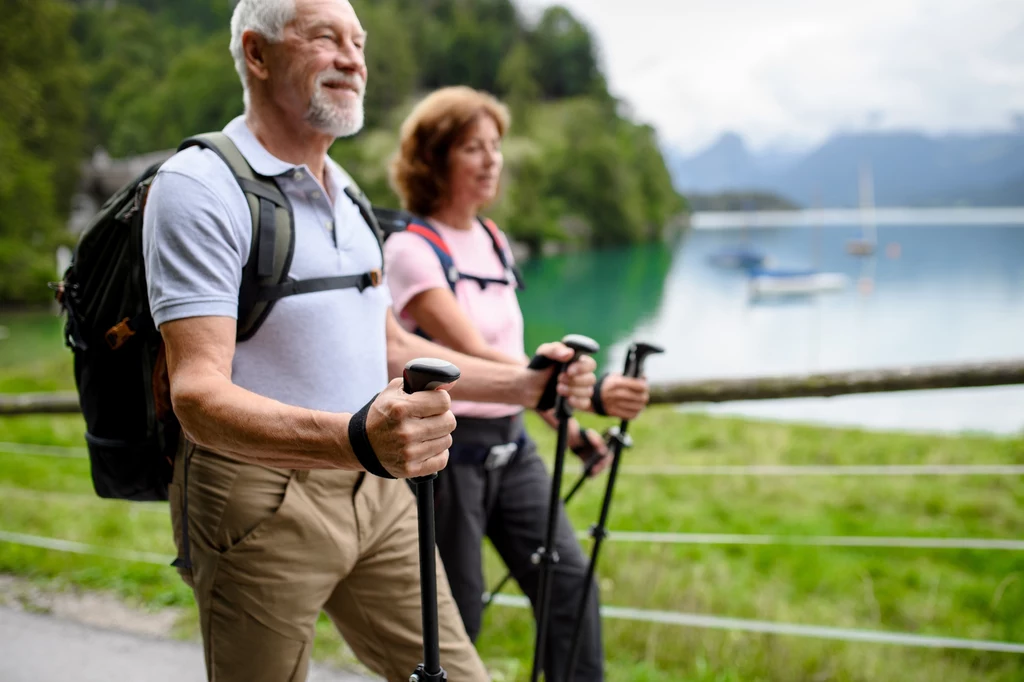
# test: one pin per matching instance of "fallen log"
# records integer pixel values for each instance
(64, 402)
(826, 385)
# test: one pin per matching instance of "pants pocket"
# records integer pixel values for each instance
(229, 500)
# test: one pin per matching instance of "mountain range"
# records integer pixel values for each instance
(907, 168)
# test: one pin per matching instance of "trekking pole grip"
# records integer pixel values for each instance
(640, 353)
(580, 345)
(426, 374)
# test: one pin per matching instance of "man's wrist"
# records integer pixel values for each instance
(340, 454)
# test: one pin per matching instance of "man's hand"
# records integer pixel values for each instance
(588, 444)
(411, 433)
(576, 383)
(624, 397)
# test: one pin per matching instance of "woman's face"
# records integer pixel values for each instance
(474, 164)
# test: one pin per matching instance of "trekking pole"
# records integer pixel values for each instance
(546, 555)
(426, 374)
(635, 358)
(587, 469)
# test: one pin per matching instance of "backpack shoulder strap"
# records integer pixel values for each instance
(501, 249)
(273, 236)
(428, 233)
(366, 210)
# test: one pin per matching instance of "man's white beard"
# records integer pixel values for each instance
(331, 118)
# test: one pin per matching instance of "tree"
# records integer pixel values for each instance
(518, 83)
(126, 51)
(390, 61)
(41, 117)
(199, 92)
(567, 65)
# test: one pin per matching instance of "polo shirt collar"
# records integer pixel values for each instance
(262, 161)
(265, 163)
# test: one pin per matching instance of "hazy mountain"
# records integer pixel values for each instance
(909, 169)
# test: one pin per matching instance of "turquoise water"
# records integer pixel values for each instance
(932, 293)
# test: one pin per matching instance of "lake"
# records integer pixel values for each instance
(943, 286)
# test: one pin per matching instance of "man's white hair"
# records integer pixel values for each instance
(267, 18)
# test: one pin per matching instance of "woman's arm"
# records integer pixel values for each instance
(438, 314)
(490, 382)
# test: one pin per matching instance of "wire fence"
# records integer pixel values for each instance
(692, 620)
(633, 537)
(981, 374)
(783, 470)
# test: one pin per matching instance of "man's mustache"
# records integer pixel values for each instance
(335, 77)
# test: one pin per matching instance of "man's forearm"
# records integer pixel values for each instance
(220, 416)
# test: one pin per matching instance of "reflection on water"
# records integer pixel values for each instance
(930, 294)
(602, 294)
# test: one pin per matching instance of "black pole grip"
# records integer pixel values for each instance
(426, 374)
(640, 351)
(581, 345)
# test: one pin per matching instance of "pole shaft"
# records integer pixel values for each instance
(544, 590)
(428, 575)
(606, 503)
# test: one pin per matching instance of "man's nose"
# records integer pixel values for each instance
(350, 59)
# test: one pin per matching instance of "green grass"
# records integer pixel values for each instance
(955, 593)
(969, 594)
(32, 353)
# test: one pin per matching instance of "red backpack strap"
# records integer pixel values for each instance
(440, 248)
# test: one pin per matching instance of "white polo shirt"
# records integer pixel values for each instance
(325, 350)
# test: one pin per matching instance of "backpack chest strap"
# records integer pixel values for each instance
(293, 287)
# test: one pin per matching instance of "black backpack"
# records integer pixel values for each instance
(119, 366)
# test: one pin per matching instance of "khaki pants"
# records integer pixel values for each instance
(271, 548)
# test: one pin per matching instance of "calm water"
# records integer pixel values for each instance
(954, 293)
(949, 292)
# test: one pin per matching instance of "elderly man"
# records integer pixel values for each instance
(271, 495)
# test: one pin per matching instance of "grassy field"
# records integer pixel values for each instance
(955, 593)
(975, 594)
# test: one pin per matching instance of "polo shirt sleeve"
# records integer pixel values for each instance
(194, 250)
(410, 268)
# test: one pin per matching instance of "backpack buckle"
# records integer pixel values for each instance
(119, 334)
(376, 277)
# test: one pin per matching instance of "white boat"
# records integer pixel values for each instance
(794, 282)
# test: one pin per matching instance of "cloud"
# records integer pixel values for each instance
(793, 71)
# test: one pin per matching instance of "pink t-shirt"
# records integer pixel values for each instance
(411, 267)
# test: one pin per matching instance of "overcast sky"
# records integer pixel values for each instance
(789, 72)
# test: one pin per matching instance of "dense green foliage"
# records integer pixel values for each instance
(139, 75)
(41, 122)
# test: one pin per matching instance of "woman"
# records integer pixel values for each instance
(452, 279)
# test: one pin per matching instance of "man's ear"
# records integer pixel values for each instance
(254, 47)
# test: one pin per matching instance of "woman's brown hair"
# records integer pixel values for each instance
(419, 172)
